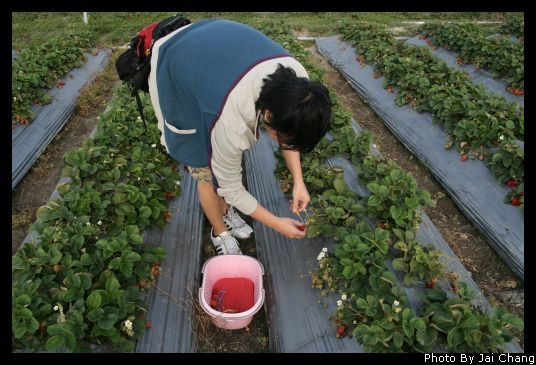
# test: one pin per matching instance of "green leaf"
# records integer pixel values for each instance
(112, 286)
(426, 337)
(86, 280)
(514, 320)
(373, 187)
(455, 337)
(400, 265)
(383, 191)
(133, 257)
(55, 255)
(395, 212)
(408, 328)
(72, 281)
(108, 321)
(145, 211)
(373, 201)
(23, 300)
(398, 339)
(95, 314)
(348, 272)
(126, 268)
(93, 301)
(86, 259)
(418, 323)
(54, 343)
(70, 341)
(437, 295)
(119, 198)
(340, 185)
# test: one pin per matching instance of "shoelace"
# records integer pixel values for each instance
(235, 218)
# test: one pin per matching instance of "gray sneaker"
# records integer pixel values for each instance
(225, 244)
(236, 225)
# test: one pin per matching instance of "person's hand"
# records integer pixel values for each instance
(290, 227)
(300, 197)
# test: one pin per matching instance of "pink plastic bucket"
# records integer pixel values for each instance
(231, 266)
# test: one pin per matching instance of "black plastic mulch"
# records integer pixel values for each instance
(29, 141)
(482, 76)
(296, 322)
(469, 183)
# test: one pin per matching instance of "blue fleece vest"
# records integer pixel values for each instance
(197, 69)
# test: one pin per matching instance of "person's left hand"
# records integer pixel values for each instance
(300, 197)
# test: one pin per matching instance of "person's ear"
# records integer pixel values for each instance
(267, 115)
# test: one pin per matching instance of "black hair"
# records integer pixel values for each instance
(301, 109)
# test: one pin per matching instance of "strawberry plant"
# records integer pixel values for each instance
(514, 25)
(372, 307)
(83, 281)
(417, 262)
(502, 57)
(36, 69)
(508, 163)
(474, 119)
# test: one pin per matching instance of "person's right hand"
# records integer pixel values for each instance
(290, 227)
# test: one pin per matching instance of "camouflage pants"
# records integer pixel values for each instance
(202, 174)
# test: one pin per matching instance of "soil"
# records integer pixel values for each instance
(35, 188)
(493, 277)
(253, 338)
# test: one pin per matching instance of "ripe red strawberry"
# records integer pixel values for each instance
(168, 195)
(60, 84)
(381, 225)
(511, 183)
(515, 201)
(390, 88)
(431, 283)
(464, 157)
(301, 228)
(341, 330)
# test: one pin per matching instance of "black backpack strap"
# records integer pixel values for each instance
(140, 107)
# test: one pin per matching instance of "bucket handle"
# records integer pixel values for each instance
(259, 306)
(206, 263)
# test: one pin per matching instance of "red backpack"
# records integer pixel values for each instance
(134, 65)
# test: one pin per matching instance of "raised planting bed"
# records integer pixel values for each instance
(29, 141)
(470, 183)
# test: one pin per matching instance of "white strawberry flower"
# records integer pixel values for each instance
(339, 303)
(324, 249)
(99, 222)
(343, 297)
(501, 137)
(55, 308)
(396, 303)
(153, 145)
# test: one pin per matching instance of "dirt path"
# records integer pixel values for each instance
(35, 188)
(491, 274)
